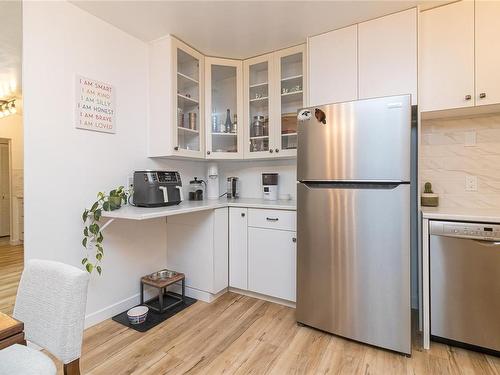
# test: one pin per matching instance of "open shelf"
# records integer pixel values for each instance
(291, 78)
(186, 99)
(258, 85)
(288, 134)
(234, 134)
(188, 130)
(186, 78)
(259, 99)
(260, 137)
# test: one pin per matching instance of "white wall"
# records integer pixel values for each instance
(65, 167)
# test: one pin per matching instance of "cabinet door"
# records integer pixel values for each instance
(333, 66)
(238, 261)
(224, 108)
(259, 88)
(487, 52)
(188, 99)
(447, 57)
(290, 68)
(388, 56)
(272, 262)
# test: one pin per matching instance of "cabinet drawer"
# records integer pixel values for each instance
(272, 219)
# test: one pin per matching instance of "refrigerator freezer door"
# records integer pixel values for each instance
(360, 140)
(353, 262)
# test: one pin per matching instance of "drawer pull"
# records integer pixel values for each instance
(294, 239)
(272, 219)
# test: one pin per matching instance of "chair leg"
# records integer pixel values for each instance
(72, 368)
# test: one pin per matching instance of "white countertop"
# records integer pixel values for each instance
(141, 213)
(462, 214)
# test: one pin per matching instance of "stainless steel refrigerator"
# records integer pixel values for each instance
(353, 220)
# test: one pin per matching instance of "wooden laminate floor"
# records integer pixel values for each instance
(11, 266)
(242, 335)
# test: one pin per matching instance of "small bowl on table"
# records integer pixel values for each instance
(138, 314)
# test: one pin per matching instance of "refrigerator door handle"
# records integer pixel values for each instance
(386, 185)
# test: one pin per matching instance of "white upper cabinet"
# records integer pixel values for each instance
(487, 52)
(223, 108)
(333, 66)
(290, 65)
(260, 97)
(447, 56)
(176, 105)
(387, 49)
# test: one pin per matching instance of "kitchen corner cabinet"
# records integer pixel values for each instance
(224, 108)
(263, 251)
(176, 100)
(447, 57)
(274, 90)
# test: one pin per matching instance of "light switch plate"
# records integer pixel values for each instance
(470, 183)
(470, 138)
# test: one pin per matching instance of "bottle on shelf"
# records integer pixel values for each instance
(234, 129)
(214, 122)
(228, 123)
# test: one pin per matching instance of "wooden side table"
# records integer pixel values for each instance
(11, 331)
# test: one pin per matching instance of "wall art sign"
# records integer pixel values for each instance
(95, 105)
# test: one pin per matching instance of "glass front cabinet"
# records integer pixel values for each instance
(214, 108)
(188, 99)
(274, 91)
(224, 108)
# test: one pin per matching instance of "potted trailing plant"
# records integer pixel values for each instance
(92, 235)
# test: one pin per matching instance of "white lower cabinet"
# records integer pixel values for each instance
(272, 262)
(262, 251)
(197, 245)
(238, 254)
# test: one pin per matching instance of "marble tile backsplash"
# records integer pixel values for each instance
(448, 156)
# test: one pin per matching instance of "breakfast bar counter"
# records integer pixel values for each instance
(130, 212)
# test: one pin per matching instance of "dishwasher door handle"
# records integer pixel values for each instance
(487, 243)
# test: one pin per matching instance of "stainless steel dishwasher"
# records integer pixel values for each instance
(465, 284)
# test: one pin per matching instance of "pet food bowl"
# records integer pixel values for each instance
(137, 315)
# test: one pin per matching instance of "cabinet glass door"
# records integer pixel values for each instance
(292, 97)
(258, 106)
(188, 101)
(224, 115)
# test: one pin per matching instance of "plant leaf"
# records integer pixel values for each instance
(97, 214)
(99, 247)
(85, 215)
(98, 256)
(86, 231)
(94, 228)
(84, 242)
(84, 260)
(94, 206)
(89, 266)
(100, 238)
(99, 270)
(106, 206)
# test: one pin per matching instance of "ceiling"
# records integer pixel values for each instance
(239, 29)
(10, 48)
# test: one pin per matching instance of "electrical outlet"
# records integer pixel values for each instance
(470, 183)
(130, 182)
(470, 138)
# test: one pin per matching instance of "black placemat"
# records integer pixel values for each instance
(154, 318)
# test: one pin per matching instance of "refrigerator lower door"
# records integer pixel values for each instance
(353, 262)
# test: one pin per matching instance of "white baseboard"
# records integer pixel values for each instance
(248, 293)
(112, 310)
(197, 294)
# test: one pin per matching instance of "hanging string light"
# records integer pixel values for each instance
(7, 108)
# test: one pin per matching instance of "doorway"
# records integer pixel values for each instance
(5, 200)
